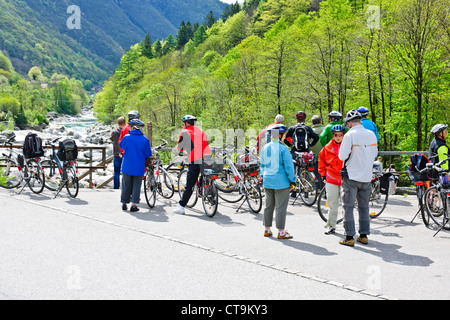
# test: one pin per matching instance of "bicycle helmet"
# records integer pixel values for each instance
(352, 115)
(337, 128)
(189, 119)
(133, 115)
(335, 114)
(281, 128)
(301, 115)
(438, 128)
(136, 124)
(363, 111)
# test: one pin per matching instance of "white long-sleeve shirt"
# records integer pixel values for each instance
(358, 151)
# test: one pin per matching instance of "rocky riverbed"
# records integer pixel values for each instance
(82, 128)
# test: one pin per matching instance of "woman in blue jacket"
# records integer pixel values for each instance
(277, 171)
(136, 149)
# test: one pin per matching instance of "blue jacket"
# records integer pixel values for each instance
(277, 167)
(136, 149)
(370, 125)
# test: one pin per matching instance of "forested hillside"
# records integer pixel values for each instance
(281, 56)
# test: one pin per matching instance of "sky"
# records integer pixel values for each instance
(232, 1)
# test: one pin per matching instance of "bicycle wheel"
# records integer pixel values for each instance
(324, 209)
(150, 188)
(174, 170)
(210, 197)
(10, 175)
(378, 201)
(436, 204)
(306, 186)
(182, 180)
(52, 175)
(72, 184)
(165, 184)
(420, 190)
(35, 176)
(254, 197)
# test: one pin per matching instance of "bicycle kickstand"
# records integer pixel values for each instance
(443, 226)
(24, 185)
(245, 199)
(59, 189)
(415, 216)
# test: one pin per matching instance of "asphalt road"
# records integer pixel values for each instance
(88, 248)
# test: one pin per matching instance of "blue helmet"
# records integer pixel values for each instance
(281, 128)
(136, 124)
(363, 111)
(338, 128)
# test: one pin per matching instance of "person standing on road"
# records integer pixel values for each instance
(438, 148)
(261, 140)
(330, 167)
(318, 128)
(369, 125)
(358, 150)
(277, 172)
(132, 115)
(137, 149)
(115, 135)
(192, 141)
(334, 118)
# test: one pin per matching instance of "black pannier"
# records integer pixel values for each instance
(32, 146)
(68, 150)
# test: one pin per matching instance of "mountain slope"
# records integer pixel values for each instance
(34, 32)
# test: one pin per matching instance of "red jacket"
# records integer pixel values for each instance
(330, 165)
(193, 141)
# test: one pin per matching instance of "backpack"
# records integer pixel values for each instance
(418, 162)
(32, 146)
(68, 150)
(300, 139)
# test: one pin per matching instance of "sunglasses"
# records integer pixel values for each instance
(338, 134)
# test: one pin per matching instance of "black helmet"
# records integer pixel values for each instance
(438, 128)
(136, 124)
(133, 115)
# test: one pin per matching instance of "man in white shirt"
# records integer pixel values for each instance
(358, 151)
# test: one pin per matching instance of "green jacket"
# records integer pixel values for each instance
(317, 128)
(326, 135)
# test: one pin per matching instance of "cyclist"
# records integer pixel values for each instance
(137, 150)
(358, 149)
(330, 167)
(279, 119)
(132, 115)
(192, 141)
(369, 125)
(277, 172)
(334, 118)
(438, 148)
(301, 135)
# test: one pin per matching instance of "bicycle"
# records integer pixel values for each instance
(60, 174)
(377, 203)
(157, 179)
(245, 174)
(205, 188)
(15, 169)
(306, 184)
(436, 199)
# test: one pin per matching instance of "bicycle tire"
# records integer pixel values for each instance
(10, 177)
(306, 186)
(52, 175)
(171, 167)
(323, 209)
(378, 201)
(150, 188)
(72, 183)
(210, 197)
(254, 198)
(437, 211)
(423, 212)
(182, 178)
(165, 188)
(36, 176)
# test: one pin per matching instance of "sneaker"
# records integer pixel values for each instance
(363, 240)
(134, 209)
(268, 233)
(349, 242)
(179, 210)
(286, 235)
(124, 206)
(330, 230)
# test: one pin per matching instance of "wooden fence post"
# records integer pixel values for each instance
(150, 132)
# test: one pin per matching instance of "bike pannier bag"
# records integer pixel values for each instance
(68, 150)
(32, 146)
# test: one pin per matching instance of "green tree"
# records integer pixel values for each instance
(146, 46)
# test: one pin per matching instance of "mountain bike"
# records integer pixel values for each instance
(60, 174)
(436, 199)
(157, 179)
(306, 184)
(14, 169)
(205, 188)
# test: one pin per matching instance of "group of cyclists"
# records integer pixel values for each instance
(346, 148)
